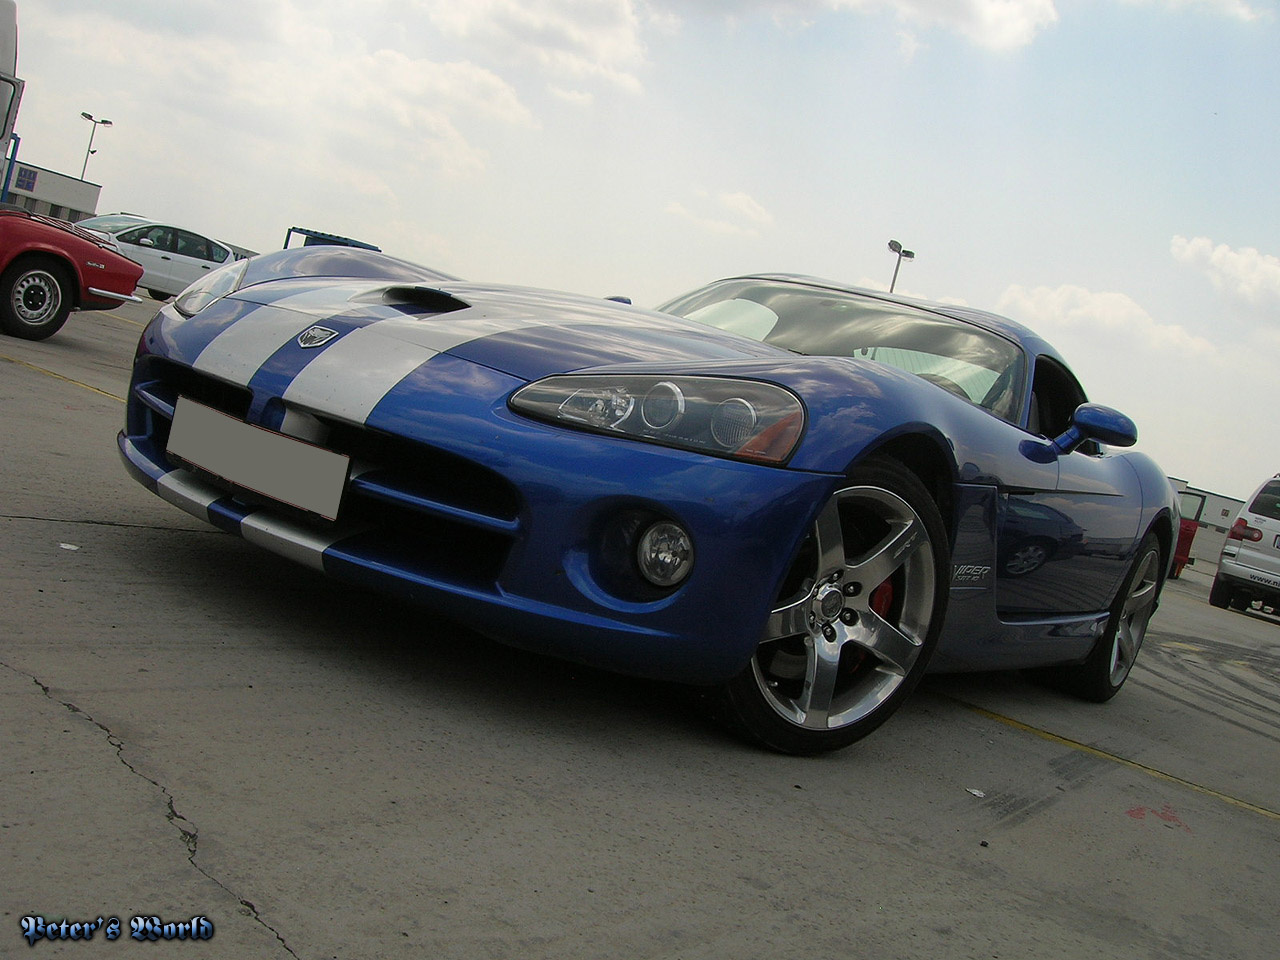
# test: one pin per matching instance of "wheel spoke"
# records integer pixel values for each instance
(1126, 649)
(889, 555)
(893, 648)
(788, 621)
(1141, 597)
(830, 537)
(821, 668)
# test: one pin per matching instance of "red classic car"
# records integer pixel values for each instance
(49, 267)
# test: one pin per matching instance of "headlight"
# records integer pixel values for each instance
(742, 419)
(212, 286)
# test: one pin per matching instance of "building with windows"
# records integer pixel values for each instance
(51, 193)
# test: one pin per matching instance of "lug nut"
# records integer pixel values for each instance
(852, 588)
(848, 617)
(829, 632)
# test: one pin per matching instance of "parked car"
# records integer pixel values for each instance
(785, 489)
(1249, 566)
(49, 268)
(172, 258)
(112, 223)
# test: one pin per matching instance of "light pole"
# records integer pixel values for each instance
(901, 255)
(92, 130)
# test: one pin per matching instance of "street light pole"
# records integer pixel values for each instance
(92, 130)
(896, 247)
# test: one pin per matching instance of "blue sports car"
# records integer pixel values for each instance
(798, 494)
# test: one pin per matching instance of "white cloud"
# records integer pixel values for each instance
(1236, 9)
(1246, 274)
(994, 24)
(578, 39)
(729, 214)
(1092, 319)
(745, 207)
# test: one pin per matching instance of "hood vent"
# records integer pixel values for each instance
(415, 300)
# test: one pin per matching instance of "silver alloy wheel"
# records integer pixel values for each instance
(1131, 625)
(37, 297)
(831, 657)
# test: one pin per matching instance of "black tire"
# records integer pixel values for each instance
(1239, 602)
(1102, 675)
(839, 655)
(1220, 593)
(35, 298)
(157, 295)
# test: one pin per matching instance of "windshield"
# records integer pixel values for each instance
(972, 363)
(111, 222)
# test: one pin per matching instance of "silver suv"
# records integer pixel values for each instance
(1249, 568)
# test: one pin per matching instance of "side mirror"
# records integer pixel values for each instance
(1093, 421)
(146, 242)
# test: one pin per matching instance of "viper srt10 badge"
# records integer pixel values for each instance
(970, 573)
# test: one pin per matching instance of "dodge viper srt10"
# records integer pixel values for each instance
(794, 493)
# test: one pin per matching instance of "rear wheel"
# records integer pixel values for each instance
(1102, 675)
(35, 299)
(157, 295)
(1220, 593)
(844, 649)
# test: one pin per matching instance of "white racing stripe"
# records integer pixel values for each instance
(290, 540)
(237, 352)
(442, 333)
(349, 377)
(187, 493)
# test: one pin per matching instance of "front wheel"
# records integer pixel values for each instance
(844, 649)
(35, 299)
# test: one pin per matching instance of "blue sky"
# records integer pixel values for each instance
(1102, 170)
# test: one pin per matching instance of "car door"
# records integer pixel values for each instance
(193, 257)
(152, 246)
(1063, 548)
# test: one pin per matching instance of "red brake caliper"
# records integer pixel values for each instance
(882, 598)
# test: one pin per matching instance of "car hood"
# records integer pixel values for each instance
(525, 333)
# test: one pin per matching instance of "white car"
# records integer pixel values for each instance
(1249, 567)
(172, 258)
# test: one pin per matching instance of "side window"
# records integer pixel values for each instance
(161, 237)
(218, 253)
(192, 245)
(1055, 394)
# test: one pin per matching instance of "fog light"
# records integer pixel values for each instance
(665, 554)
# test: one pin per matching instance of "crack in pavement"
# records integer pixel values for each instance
(187, 830)
(108, 523)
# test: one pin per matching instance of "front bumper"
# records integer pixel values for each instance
(515, 528)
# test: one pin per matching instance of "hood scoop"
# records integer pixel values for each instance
(414, 300)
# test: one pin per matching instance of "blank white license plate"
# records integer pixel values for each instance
(305, 476)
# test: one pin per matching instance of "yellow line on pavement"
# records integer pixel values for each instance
(1124, 762)
(58, 376)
